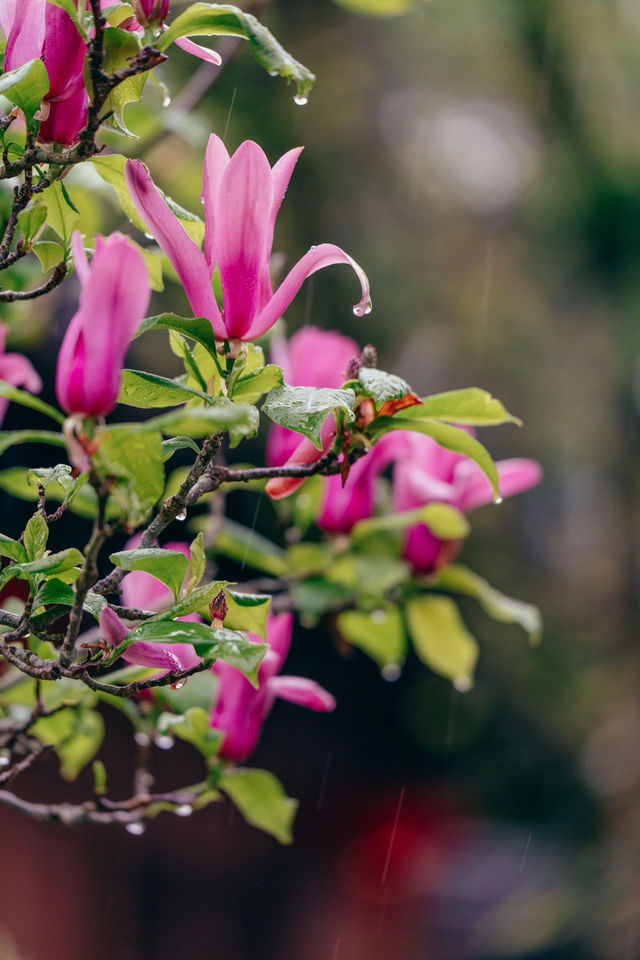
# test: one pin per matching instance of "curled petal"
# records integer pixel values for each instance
(184, 254)
(113, 629)
(151, 655)
(324, 255)
(516, 476)
(216, 159)
(280, 177)
(303, 692)
(305, 453)
(203, 53)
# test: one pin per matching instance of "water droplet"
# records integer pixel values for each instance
(5, 760)
(462, 684)
(273, 73)
(136, 829)
(498, 500)
(182, 515)
(184, 810)
(141, 738)
(300, 99)
(179, 684)
(164, 742)
(364, 307)
(378, 616)
(391, 672)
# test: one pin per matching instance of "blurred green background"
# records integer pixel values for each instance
(481, 160)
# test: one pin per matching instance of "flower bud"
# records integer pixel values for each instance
(150, 11)
(218, 608)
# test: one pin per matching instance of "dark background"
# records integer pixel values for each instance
(482, 162)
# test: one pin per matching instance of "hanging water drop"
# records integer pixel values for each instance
(362, 308)
(164, 742)
(5, 760)
(184, 810)
(498, 500)
(300, 99)
(141, 738)
(136, 829)
(179, 684)
(462, 684)
(391, 672)
(182, 515)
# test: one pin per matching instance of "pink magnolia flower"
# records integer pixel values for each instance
(240, 710)
(426, 473)
(141, 653)
(155, 12)
(241, 196)
(311, 358)
(38, 29)
(16, 370)
(113, 300)
(144, 592)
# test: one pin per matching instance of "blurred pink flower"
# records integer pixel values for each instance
(38, 29)
(16, 370)
(241, 196)
(311, 358)
(240, 710)
(113, 300)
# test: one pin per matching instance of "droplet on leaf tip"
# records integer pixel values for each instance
(136, 829)
(184, 810)
(462, 684)
(164, 742)
(300, 99)
(391, 672)
(141, 738)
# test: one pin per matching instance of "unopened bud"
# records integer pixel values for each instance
(365, 413)
(369, 356)
(353, 369)
(218, 609)
(150, 11)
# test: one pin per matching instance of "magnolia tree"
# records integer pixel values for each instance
(371, 483)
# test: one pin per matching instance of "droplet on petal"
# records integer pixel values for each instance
(136, 829)
(364, 307)
(498, 500)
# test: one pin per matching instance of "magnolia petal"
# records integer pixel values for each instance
(324, 255)
(80, 261)
(280, 177)
(184, 254)
(303, 692)
(516, 475)
(23, 24)
(151, 655)
(305, 453)
(243, 210)
(216, 159)
(113, 629)
(203, 53)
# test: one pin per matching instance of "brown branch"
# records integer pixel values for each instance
(56, 278)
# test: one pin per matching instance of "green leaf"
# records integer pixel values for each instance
(211, 643)
(261, 800)
(247, 547)
(208, 19)
(220, 416)
(36, 534)
(377, 8)
(31, 221)
(26, 86)
(169, 566)
(111, 170)
(197, 563)
(248, 612)
(317, 596)
(196, 328)
(169, 447)
(194, 727)
(134, 452)
(60, 476)
(140, 389)
(48, 253)
(305, 409)
(57, 563)
(76, 736)
(444, 521)
(451, 438)
(12, 549)
(61, 217)
(379, 633)
(120, 47)
(10, 438)
(381, 386)
(28, 400)
(472, 406)
(460, 579)
(196, 601)
(441, 639)
(251, 387)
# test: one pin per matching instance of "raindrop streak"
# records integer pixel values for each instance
(226, 126)
(251, 529)
(526, 851)
(308, 301)
(336, 949)
(301, 100)
(323, 782)
(548, 62)
(487, 288)
(135, 829)
(392, 839)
